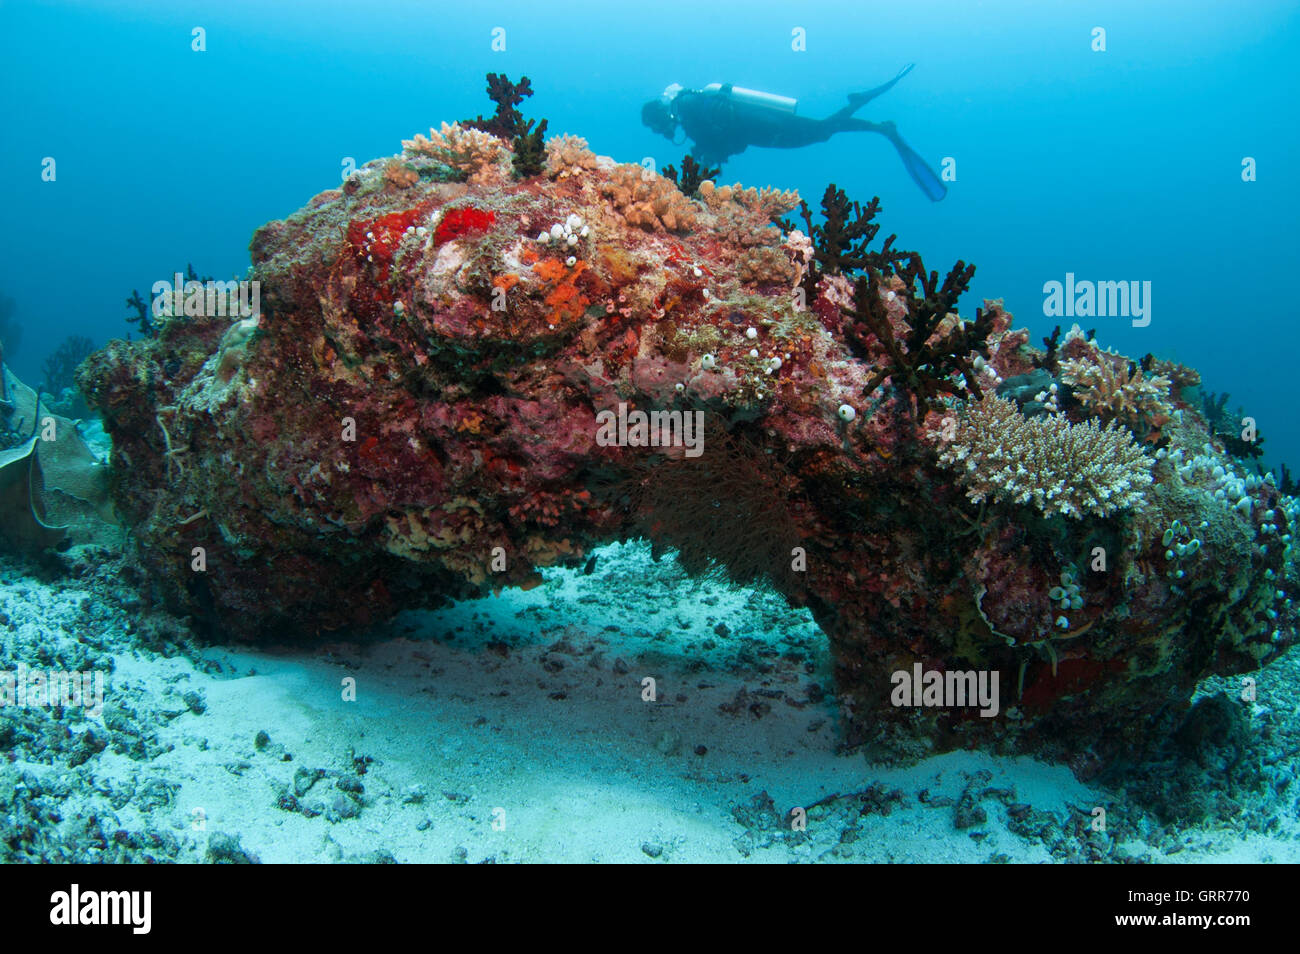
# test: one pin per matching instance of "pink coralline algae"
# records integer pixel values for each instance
(413, 418)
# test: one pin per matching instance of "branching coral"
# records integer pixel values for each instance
(692, 176)
(399, 175)
(567, 156)
(840, 244)
(61, 367)
(1061, 468)
(508, 123)
(476, 155)
(746, 216)
(649, 201)
(1113, 389)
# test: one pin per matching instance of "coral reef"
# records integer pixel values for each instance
(568, 156)
(1059, 467)
(478, 157)
(692, 176)
(1112, 388)
(648, 200)
(60, 368)
(415, 417)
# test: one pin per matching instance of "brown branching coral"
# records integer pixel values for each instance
(1059, 467)
(1112, 389)
(567, 156)
(1180, 376)
(692, 175)
(934, 350)
(398, 175)
(746, 216)
(507, 122)
(477, 155)
(649, 201)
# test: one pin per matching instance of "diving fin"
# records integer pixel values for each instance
(858, 100)
(921, 173)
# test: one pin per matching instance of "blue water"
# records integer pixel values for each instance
(1115, 165)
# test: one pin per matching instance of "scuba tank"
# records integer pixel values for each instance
(754, 99)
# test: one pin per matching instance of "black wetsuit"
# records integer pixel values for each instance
(721, 127)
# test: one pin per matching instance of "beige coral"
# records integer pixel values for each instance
(766, 266)
(648, 200)
(399, 175)
(567, 156)
(480, 156)
(1113, 389)
(744, 215)
(1059, 467)
(1180, 376)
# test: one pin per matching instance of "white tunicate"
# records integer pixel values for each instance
(846, 412)
(751, 333)
(573, 240)
(544, 237)
(573, 221)
(585, 231)
(557, 231)
(1062, 622)
(708, 362)
(774, 363)
(571, 261)
(696, 271)
(679, 386)
(1076, 603)
(1055, 593)
(753, 352)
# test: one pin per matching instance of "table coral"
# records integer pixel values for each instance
(413, 419)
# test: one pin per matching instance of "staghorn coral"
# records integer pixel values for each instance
(567, 156)
(692, 176)
(1113, 389)
(476, 155)
(1180, 376)
(649, 201)
(1059, 467)
(746, 216)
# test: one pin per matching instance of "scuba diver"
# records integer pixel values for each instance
(722, 121)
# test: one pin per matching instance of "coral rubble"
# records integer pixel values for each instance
(413, 418)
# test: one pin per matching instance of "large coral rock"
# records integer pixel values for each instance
(413, 418)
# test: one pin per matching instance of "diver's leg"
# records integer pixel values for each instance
(858, 100)
(925, 177)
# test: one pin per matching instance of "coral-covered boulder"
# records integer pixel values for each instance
(444, 389)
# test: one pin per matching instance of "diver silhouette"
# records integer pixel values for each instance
(723, 120)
